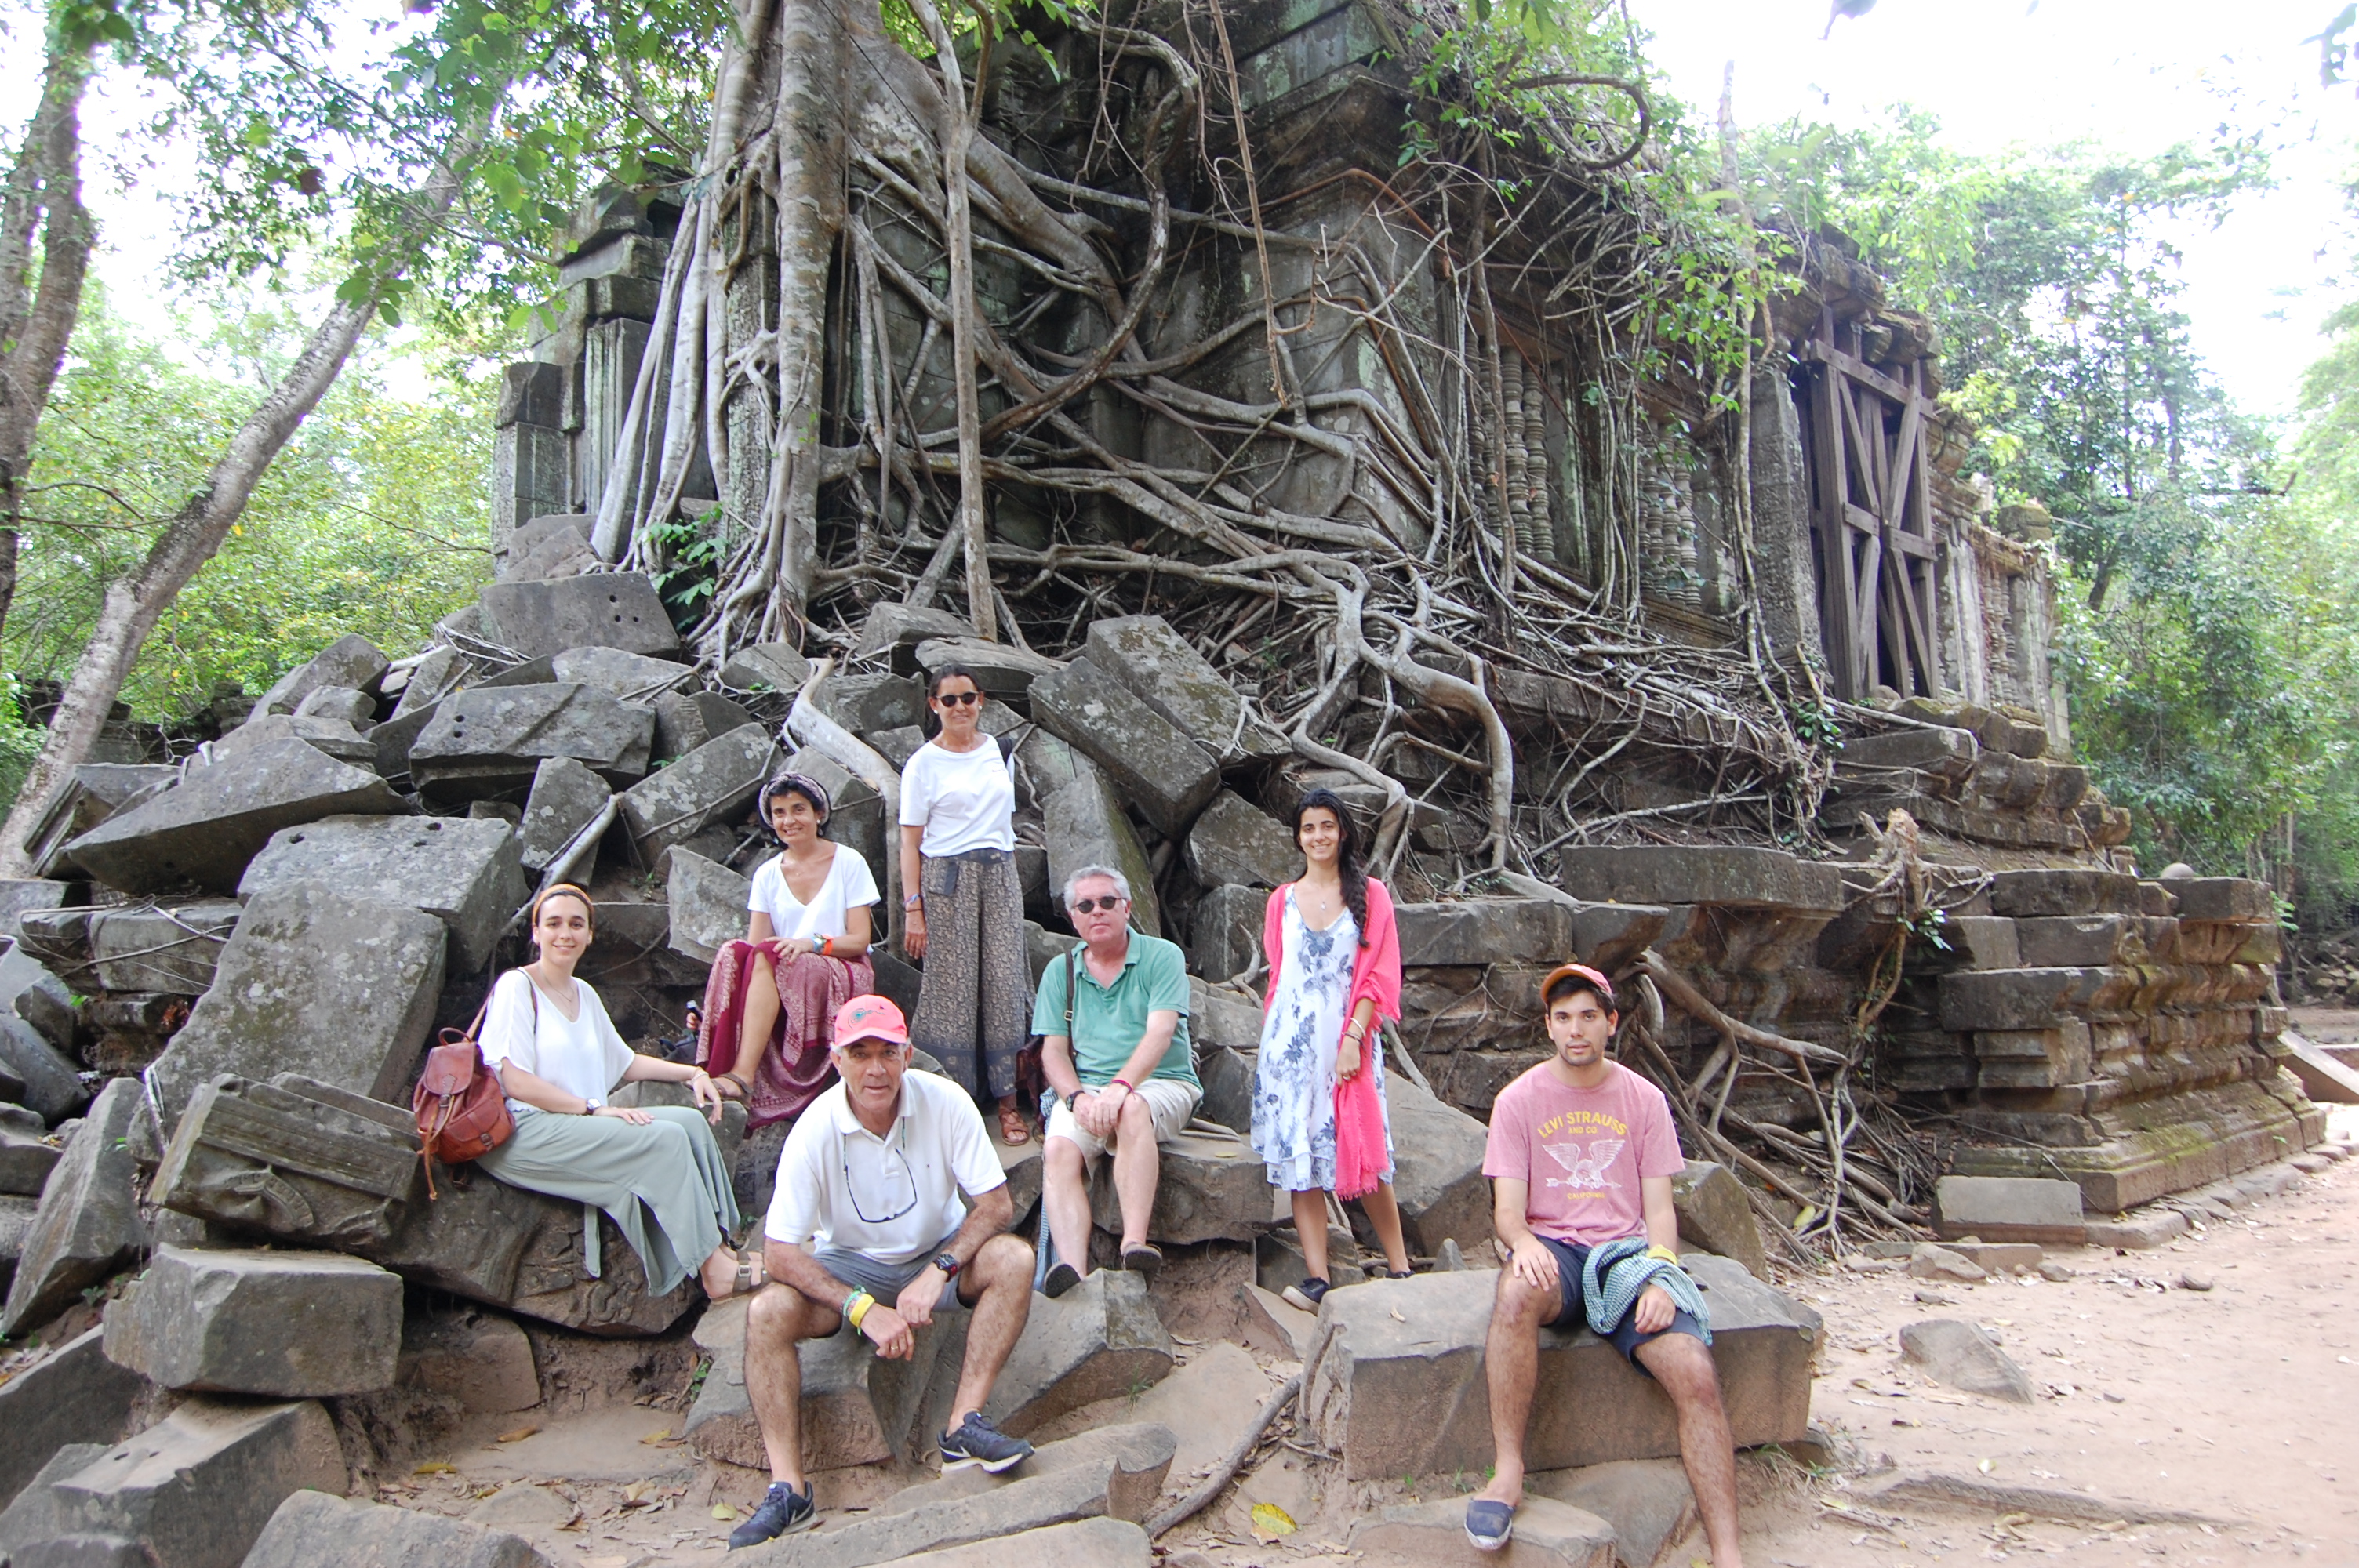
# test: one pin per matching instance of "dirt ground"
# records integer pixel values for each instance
(2236, 1405)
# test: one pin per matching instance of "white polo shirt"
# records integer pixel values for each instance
(894, 1198)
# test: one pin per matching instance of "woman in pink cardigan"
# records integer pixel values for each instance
(1318, 1118)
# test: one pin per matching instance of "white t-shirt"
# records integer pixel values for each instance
(965, 800)
(896, 1197)
(585, 1056)
(849, 885)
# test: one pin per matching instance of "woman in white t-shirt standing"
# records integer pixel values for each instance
(770, 1002)
(966, 906)
(657, 1172)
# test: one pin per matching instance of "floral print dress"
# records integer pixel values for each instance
(1294, 1078)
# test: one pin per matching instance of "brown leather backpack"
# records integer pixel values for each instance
(462, 1110)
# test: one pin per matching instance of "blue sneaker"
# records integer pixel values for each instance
(975, 1440)
(784, 1511)
(1488, 1524)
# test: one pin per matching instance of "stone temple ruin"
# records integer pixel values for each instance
(1576, 626)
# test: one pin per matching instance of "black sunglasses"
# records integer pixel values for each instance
(959, 698)
(1111, 902)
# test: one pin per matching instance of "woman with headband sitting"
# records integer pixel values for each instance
(657, 1172)
(771, 999)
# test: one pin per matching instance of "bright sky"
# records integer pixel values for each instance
(2133, 76)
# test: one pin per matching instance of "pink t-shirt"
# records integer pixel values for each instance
(1583, 1152)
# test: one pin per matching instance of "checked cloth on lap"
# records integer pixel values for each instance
(1617, 1271)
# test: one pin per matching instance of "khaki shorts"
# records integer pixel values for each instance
(1168, 1101)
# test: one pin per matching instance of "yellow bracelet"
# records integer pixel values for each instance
(1663, 1253)
(859, 1309)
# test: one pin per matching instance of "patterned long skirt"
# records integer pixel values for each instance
(975, 1004)
(794, 1067)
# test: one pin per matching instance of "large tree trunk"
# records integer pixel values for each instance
(44, 194)
(136, 601)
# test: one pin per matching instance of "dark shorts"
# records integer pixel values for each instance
(1573, 1314)
(883, 1280)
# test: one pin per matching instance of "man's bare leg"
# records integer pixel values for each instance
(1511, 1364)
(775, 1320)
(1002, 1272)
(1682, 1365)
(1065, 1192)
(1137, 1168)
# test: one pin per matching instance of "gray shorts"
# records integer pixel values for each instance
(885, 1281)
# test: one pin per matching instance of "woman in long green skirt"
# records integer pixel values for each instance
(657, 1172)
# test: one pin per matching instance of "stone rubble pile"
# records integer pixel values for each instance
(214, 999)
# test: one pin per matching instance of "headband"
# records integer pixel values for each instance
(810, 788)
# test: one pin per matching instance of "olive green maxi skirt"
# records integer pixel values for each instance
(663, 1185)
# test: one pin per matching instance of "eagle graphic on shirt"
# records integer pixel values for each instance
(1584, 1173)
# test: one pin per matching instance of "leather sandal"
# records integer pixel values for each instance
(1012, 1129)
(740, 1089)
(745, 1283)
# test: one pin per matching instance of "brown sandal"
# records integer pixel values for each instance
(1012, 1129)
(744, 1090)
(745, 1283)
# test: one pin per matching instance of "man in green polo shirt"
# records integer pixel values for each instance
(1124, 1072)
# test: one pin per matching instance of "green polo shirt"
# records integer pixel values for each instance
(1110, 1021)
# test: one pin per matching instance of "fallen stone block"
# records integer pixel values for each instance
(33, 993)
(289, 1324)
(712, 786)
(75, 1395)
(47, 1081)
(207, 827)
(2326, 1078)
(1715, 1215)
(766, 666)
(2000, 1257)
(1228, 1078)
(31, 1521)
(2141, 1230)
(857, 1407)
(630, 677)
(1085, 827)
(1717, 874)
(171, 948)
(1401, 1390)
(1002, 671)
(1236, 841)
(1164, 671)
(2068, 891)
(1115, 1472)
(351, 661)
(2009, 1208)
(1213, 1188)
(483, 1360)
(608, 609)
(687, 720)
(436, 675)
(1084, 1544)
(299, 1162)
(1099, 1339)
(893, 631)
(321, 731)
(1228, 928)
(1647, 1501)
(1152, 762)
(1548, 1533)
(1219, 1017)
(354, 711)
(312, 1530)
(865, 703)
(2237, 900)
(708, 905)
(488, 742)
(1926, 1261)
(20, 895)
(465, 874)
(338, 988)
(1279, 1261)
(197, 1489)
(1962, 1356)
(88, 1225)
(566, 798)
(1476, 931)
(1437, 1169)
(95, 792)
(58, 940)
(25, 1161)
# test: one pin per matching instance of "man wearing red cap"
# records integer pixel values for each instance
(890, 1175)
(1581, 1158)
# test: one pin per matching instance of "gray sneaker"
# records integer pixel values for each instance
(784, 1511)
(975, 1440)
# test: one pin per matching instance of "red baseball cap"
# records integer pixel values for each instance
(1580, 971)
(870, 1018)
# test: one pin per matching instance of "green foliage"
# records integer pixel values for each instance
(374, 520)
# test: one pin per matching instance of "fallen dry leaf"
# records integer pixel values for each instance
(518, 1435)
(634, 1492)
(658, 1435)
(436, 1467)
(1397, 1315)
(1270, 1522)
(724, 1512)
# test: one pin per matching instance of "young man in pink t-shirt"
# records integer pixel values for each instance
(1581, 1153)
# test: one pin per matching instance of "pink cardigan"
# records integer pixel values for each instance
(1376, 968)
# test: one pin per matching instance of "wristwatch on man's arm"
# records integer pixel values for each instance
(949, 1264)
